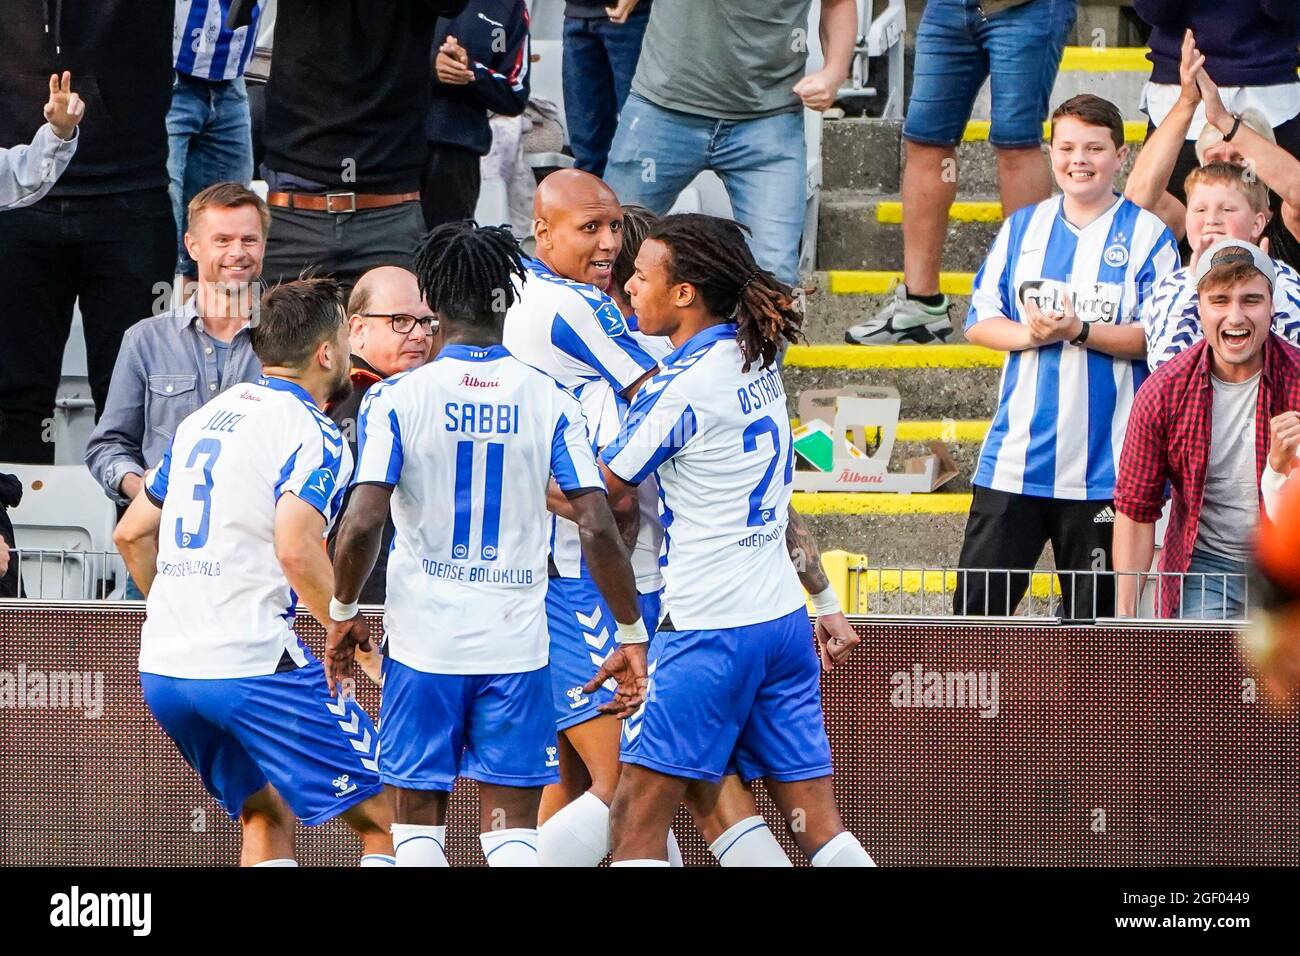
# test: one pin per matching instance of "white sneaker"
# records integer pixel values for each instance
(903, 321)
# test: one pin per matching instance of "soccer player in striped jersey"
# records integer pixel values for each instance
(477, 432)
(242, 498)
(1223, 202)
(736, 686)
(564, 324)
(1062, 293)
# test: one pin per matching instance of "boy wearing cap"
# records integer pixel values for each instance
(1201, 424)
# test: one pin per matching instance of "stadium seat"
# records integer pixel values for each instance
(63, 530)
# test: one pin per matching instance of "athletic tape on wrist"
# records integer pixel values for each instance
(632, 633)
(342, 612)
(826, 602)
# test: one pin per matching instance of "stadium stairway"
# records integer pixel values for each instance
(948, 392)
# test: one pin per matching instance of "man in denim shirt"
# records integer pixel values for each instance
(171, 364)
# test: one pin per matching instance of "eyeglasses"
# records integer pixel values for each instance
(403, 323)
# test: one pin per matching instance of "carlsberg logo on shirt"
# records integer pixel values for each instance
(1093, 302)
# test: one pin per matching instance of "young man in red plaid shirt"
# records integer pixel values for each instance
(1201, 424)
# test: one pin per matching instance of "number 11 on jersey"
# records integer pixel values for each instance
(491, 518)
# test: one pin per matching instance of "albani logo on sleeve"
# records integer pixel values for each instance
(611, 320)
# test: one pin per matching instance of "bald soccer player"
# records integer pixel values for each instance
(392, 330)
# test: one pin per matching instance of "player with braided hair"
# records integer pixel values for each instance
(737, 684)
(477, 432)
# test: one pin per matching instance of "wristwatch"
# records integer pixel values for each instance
(1084, 328)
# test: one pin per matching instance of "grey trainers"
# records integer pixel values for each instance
(903, 321)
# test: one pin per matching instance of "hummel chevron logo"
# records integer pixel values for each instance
(592, 621)
(363, 744)
(594, 640)
(353, 726)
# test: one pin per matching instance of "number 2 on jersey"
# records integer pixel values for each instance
(211, 447)
(491, 524)
(758, 515)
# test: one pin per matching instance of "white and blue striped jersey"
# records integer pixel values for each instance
(605, 412)
(1063, 409)
(1172, 319)
(572, 331)
(469, 443)
(202, 47)
(220, 605)
(719, 441)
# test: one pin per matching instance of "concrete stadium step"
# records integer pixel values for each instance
(846, 297)
(1117, 73)
(867, 155)
(851, 234)
(934, 382)
(891, 530)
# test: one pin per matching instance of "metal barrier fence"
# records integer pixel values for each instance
(998, 742)
(61, 575)
(1045, 593)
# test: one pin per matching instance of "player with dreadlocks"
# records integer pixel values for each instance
(478, 433)
(737, 683)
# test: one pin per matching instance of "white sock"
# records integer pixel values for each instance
(843, 849)
(378, 859)
(674, 851)
(277, 863)
(514, 847)
(578, 835)
(417, 845)
(640, 863)
(749, 843)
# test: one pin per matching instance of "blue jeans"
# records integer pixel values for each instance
(1215, 588)
(957, 48)
(600, 58)
(762, 163)
(210, 141)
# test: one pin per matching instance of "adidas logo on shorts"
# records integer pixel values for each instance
(1105, 516)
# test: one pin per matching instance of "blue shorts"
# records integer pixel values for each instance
(958, 48)
(582, 636)
(651, 607)
(241, 733)
(741, 700)
(493, 728)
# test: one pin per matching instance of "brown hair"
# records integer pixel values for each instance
(1227, 275)
(295, 317)
(228, 196)
(1230, 174)
(1092, 111)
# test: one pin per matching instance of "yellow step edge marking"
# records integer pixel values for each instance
(966, 430)
(977, 131)
(866, 282)
(892, 356)
(1120, 59)
(879, 503)
(892, 212)
(873, 582)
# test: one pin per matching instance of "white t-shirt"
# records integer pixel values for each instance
(1063, 409)
(468, 443)
(719, 440)
(220, 606)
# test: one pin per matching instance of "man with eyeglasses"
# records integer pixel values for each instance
(392, 330)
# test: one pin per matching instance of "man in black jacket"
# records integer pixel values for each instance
(104, 233)
(345, 108)
(481, 65)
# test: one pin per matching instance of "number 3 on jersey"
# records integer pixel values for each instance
(211, 448)
(491, 521)
(758, 515)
